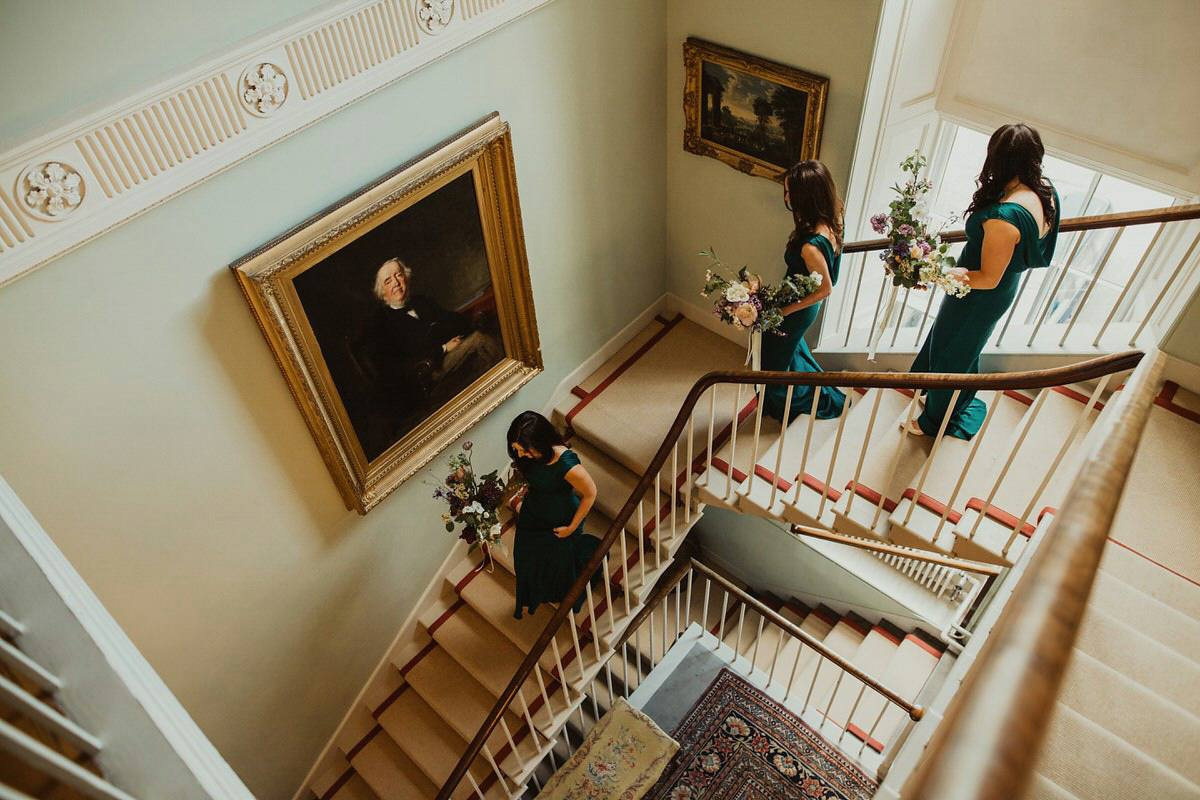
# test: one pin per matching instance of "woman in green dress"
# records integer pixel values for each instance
(1012, 226)
(814, 248)
(551, 548)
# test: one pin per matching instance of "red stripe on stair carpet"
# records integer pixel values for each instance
(1020, 398)
(871, 496)
(1000, 515)
(624, 366)
(917, 640)
(1074, 395)
(1166, 399)
(932, 504)
(1152, 561)
(342, 780)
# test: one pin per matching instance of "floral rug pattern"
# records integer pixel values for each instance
(738, 744)
(621, 758)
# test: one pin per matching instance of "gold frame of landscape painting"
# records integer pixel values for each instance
(402, 314)
(757, 116)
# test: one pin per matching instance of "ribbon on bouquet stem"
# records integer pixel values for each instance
(877, 334)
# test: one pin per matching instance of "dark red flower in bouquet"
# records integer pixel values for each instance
(468, 534)
(491, 493)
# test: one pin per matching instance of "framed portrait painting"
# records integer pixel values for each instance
(402, 314)
(758, 116)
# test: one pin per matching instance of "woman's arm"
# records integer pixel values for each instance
(1000, 239)
(581, 482)
(816, 266)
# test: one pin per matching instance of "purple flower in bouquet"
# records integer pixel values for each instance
(467, 445)
(879, 223)
(491, 493)
(906, 230)
(926, 248)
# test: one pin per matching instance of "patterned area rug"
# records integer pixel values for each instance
(739, 744)
(622, 757)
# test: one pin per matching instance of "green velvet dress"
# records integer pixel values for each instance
(964, 324)
(790, 353)
(547, 566)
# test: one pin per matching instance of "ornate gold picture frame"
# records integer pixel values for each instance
(402, 314)
(758, 116)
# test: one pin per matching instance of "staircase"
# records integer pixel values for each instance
(815, 473)
(1127, 720)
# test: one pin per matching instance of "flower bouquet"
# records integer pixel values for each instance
(746, 302)
(473, 500)
(917, 256)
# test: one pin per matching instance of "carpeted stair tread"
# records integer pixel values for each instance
(1157, 727)
(1150, 578)
(894, 460)
(1150, 518)
(482, 650)
(1089, 762)
(873, 656)
(1140, 658)
(457, 696)
(427, 739)
(355, 789)
(815, 679)
(614, 484)
(389, 772)
(1042, 788)
(946, 470)
(626, 352)
(757, 496)
(909, 669)
(1157, 620)
(633, 412)
(845, 462)
(718, 483)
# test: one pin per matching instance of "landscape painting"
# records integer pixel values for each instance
(758, 116)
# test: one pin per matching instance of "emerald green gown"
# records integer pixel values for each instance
(790, 353)
(547, 566)
(963, 324)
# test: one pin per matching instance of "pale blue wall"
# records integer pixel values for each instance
(148, 428)
(60, 56)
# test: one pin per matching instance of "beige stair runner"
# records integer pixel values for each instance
(1127, 721)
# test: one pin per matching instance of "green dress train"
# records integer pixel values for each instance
(790, 353)
(964, 324)
(547, 566)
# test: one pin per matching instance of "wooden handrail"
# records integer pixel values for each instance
(915, 712)
(1074, 373)
(965, 565)
(988, 745)
(1145, 217)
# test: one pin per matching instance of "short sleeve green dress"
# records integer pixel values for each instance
(964, 324)
(789, 352)
(547, 566)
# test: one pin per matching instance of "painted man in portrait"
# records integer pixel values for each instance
(422, 353)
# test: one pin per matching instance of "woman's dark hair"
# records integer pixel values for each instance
(535, 434)
(813, 199)
(1014, 151)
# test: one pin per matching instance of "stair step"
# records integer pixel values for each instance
(1157, 620)
(457, 697)
(1140, 658)
(1149, 578)
(873, 657)
(723, 480)
(482, 650)
(1159, 728)
(389, 772)
(428, 741)
(808, 508)
(630, 415)
(914, 523)
(1049, 429)
(1042, 788)
(615, 483)
(813, 678)
(1089, 762)
(356, 789)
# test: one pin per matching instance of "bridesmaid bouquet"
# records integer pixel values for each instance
(746, 302)
(473, 500)
(917, 256)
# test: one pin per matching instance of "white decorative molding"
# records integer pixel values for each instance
(434, 15)
(263, 88)
(49, 191)
(148, 146)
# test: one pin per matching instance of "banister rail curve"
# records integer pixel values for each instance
(1144, 217)
(989, 742)
(1034, 379)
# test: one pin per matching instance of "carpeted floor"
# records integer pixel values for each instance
(739, 744)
